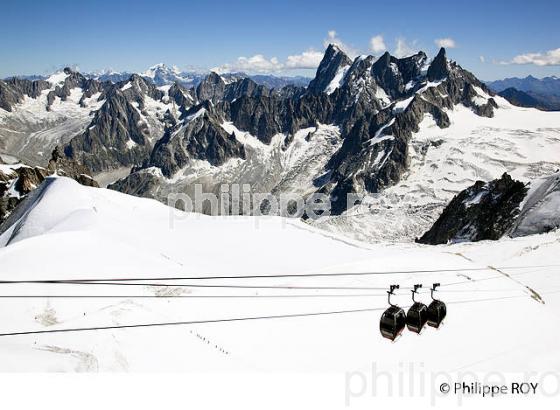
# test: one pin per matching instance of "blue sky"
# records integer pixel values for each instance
(489, 36)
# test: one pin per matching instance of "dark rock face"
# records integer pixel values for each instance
(332, 62)
(259, 116)
(200, 137)
(8, 96)
(184, 98)
(117, 136)
(23, 180)
(245, 87)
(211, 88)
(29, 179)
(140, 183)
(8, 201)
(60, 164)
(386, 74)
(266, 116)
(439, 68)
(13, 91)
(136, 89)
(411, 67)
(289, 92)
(482, 211)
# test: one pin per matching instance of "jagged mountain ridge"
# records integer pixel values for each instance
(37, 115)
(482, 211)
(161, 74)
(376, 104)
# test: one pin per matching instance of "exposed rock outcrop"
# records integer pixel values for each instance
(17, 181)
(482, 211)
(199, 137)
(212, 88)
(333, 63)
(13, 91)
(439, 68)
(117, 136)
(76, 80)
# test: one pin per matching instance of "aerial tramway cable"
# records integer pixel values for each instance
(190, 322)
(266, 276)
(392, 321)
(128, 282)
(238, 319)
(314, 295)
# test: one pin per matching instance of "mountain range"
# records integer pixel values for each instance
(430, 150)
(161, 74)
(542, 93)
(402, 135)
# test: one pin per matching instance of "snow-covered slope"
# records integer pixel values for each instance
(67, 231)
(540, 211)
(523, 142)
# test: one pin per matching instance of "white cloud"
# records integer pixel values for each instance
(258, 63)
(482, 59)
(404, 49)
(445, 42)
(551, 57)
(332, 38)
(377, 44)
(307, 59)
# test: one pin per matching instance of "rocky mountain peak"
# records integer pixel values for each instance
(439, 68)
(160, 67)
(332, 50)
(138, 81)
(331, 67)
(384, 60)
(161, 74)
(411, 68)
(386, 73)
(211, 88)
